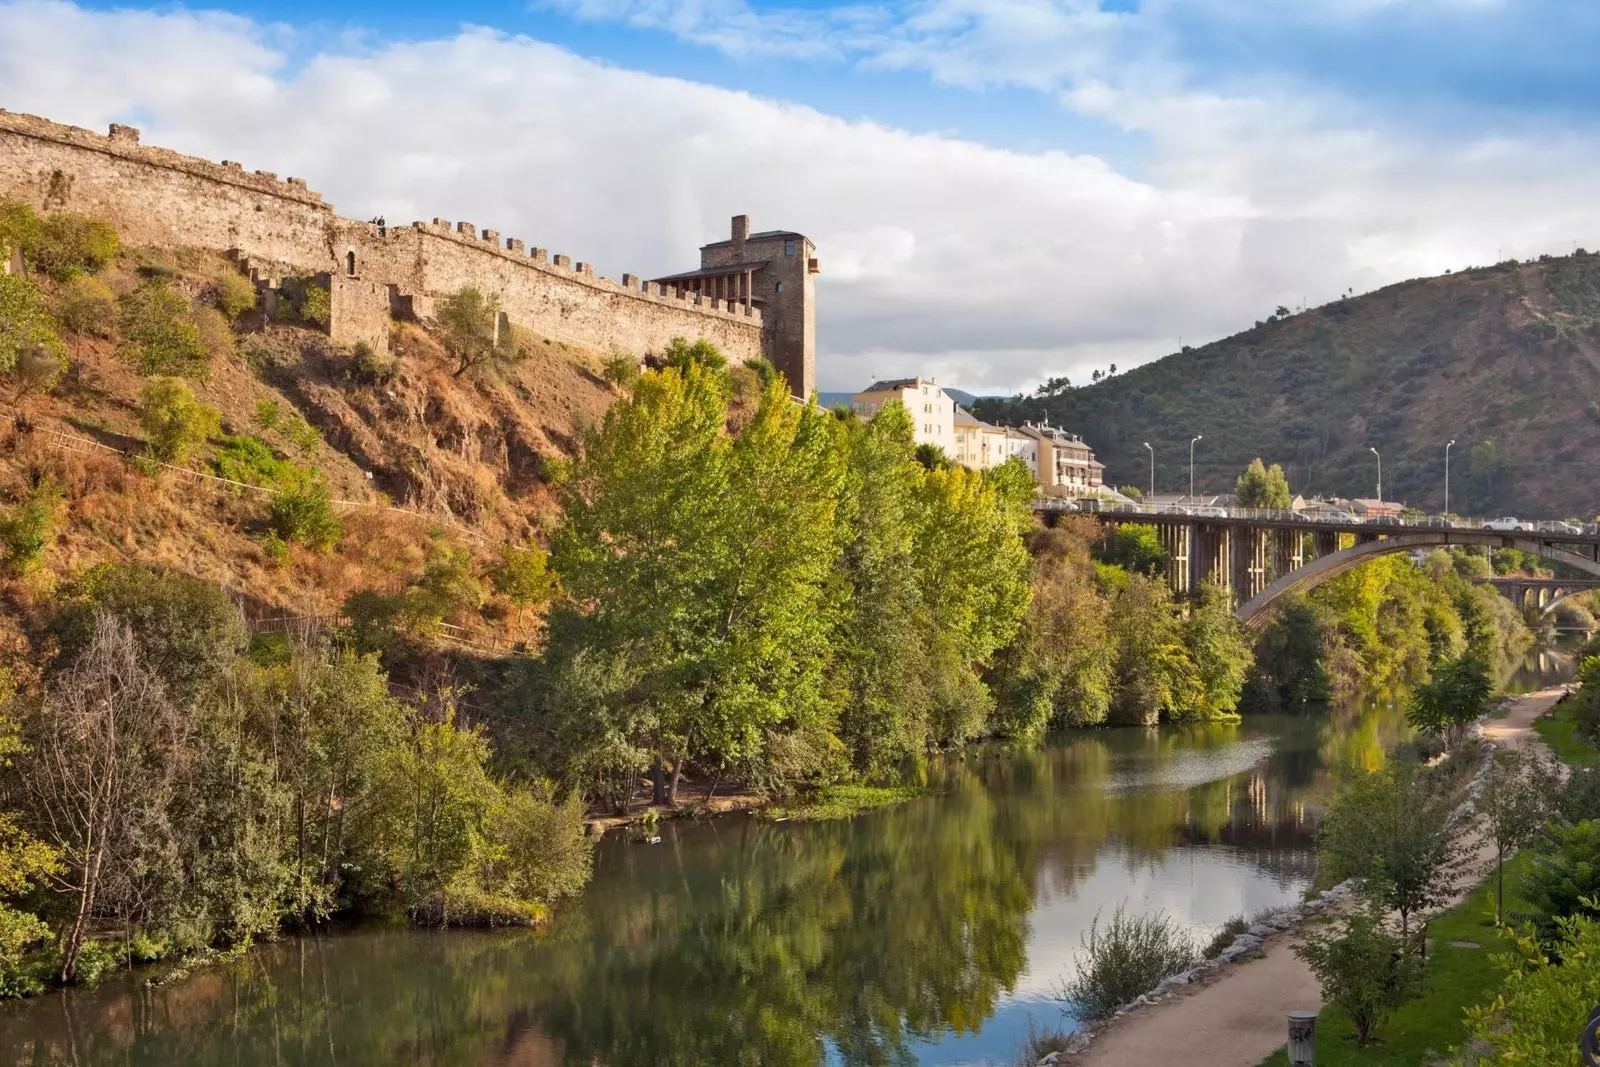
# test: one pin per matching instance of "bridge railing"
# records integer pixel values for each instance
(1546, 527)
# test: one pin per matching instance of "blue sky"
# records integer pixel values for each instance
(1001, 190)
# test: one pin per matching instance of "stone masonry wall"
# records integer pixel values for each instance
(154, 196)
(548, 294)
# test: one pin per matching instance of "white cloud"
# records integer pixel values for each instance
(988, 267)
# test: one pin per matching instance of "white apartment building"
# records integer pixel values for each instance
(933, 413)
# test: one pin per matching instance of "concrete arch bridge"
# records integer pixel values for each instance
(1262, 556)
(1540, 593)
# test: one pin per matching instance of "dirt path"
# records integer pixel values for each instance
(1238, 1018)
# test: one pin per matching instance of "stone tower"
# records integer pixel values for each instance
(774, 270)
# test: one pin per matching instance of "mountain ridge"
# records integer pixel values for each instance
(1504, 360)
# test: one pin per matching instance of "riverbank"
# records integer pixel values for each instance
(1236, 1016)
(830, 802)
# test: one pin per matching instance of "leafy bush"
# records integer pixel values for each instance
(1580, 799)
(764, 371)
(267, 412)
(302, 512)
(62, 244)
(1563, 877)
(232, 294)
(157, 333)
(1126, 958)
(302, 300)
(621, 370)
(1225, 936)
(87, 306)
(27, 527)
(1361, 966)
(524, 577)
(174, 422)
(1542, 1004)
(72, 244)
(252, 461)
(369, 368)
(25, 322)
(215, 333)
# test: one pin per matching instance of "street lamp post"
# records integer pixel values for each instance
(1374, 451)
(1191, 467)
(1152, 468)
(1447, 477)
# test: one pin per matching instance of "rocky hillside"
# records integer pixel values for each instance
(1505, 360)
(419, 462)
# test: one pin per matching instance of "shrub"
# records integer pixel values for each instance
(621, 370)
(1563, 877)
(524, 577)
(1124, 959)
(1451, 700)
(250, 460)
(302, 512)
(25, 322)
(1361, 966)
(174, 421)
(87, 306)
(1580, 799)
(267, 412)
(157, 333)
(764, 371)
(1225, 936)
(26, 528)
(232, 294)
(38, 370)
(215, 333)
(70, 244)
(1541, 1006)
(679, 354)
(302, 300)
(369, 368)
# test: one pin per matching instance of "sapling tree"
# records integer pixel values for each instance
(1519, 794)
(1361, 965)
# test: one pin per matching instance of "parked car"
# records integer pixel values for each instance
(1508, 524)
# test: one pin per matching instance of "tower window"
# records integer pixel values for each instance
(350, 263)
(779, 287)
(788, 248)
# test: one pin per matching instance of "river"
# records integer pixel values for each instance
(932, 933)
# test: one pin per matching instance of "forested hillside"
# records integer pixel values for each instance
(1505, 360)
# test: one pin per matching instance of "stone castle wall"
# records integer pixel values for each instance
(154, 196)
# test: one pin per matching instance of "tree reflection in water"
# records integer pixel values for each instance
(736, 941)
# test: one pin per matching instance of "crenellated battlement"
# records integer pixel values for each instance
(275, 228)
(515, 250)
(123, 142)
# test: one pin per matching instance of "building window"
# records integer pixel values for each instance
(778, 288)
(350, 263)
(788, 248)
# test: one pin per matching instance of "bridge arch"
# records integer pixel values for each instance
(1256, 611)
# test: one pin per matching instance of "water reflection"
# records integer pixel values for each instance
(924, 934)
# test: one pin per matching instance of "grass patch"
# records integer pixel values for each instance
(1559, 729)
(843, 801)
(1425, 1029)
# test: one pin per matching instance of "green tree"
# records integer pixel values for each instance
(1261, 486)
(1362, 967)
(1154, 673)
(1452, 700)
(524, 577)
(25, 322)
(1135, 547)
(174, 422)
(1219, 647)
(303, 511)
(1397, 834)
(1563, 877)
(158, 334)
(680, 353)
(471, 324)
(27, 527)
(1291, 656)
(1519, 794)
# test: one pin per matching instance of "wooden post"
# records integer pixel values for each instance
(1302, 1038)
